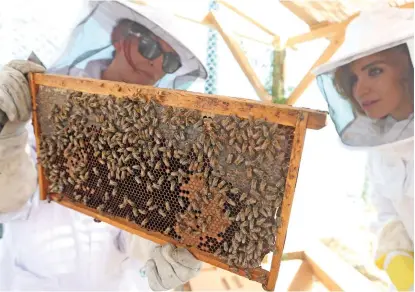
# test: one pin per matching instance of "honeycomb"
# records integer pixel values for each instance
(214, 182)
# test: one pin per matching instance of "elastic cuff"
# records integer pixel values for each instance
(390, 256)
(400, 269)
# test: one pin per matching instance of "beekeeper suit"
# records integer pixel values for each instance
(47, 246)
(368, 86)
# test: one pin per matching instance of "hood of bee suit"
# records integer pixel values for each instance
(373, 31)
(90, 43)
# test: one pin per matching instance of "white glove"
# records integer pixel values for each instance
(393, 237)
(15, 99)
(170, 267)
(17, 172)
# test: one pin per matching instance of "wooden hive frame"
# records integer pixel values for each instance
(298, 118)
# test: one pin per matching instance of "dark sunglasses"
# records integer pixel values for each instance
(151, 49)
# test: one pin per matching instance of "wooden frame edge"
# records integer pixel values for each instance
(33, 90)
(295, 159)
(257, 273)
(281, 114)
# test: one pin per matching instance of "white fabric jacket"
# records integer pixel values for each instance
(389, 142)
(391, 176)
(391, 180)
(49, 247)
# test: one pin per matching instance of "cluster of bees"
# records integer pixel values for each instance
(212, 181)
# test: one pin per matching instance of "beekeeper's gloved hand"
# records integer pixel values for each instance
(170, 267)
(17, 172)
(15, 99)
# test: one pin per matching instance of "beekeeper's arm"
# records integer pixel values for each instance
(18, 178)
(394, 253)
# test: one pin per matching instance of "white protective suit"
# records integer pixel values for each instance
(49, 247)
(389, 142)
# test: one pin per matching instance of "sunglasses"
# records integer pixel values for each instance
(151, 49)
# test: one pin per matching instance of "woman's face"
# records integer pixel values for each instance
(380, 84)
(131, 67)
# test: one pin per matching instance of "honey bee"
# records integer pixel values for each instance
(234, 191)
(271, 197)
(100, 208)
(198, 124)
(239, 160)
(255, 194)
(144, 222)
(221, 184)
(262, 186)
(238, 148)
(149, 202)
(258, 172)
(167, 205)
(261, 221)
(162, 213)
(150, 175)
(243, 197)
(152, 208)
(181, 202)
(182, 173)
(231, 141)
(231, 202)
(217, 252)
(172, 185)
(166, 162)
(251, 201)
(272, 189)
(167, 230)
(131, 203)
(135, 212)
(194, 205)
(263, 212)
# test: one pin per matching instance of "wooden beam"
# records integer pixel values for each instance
(293, 255)
(333, 272)
(322, 32)
(248, 18)
(327, 30)
(300, 12)
(407, 5)
(309, 77)
(241, 59)
(278, 72)
(205, 23)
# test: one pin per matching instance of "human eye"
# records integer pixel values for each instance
(353, 80)
(375, 71)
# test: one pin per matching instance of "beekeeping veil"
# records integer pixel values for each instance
(373, 31)
(90, 49)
